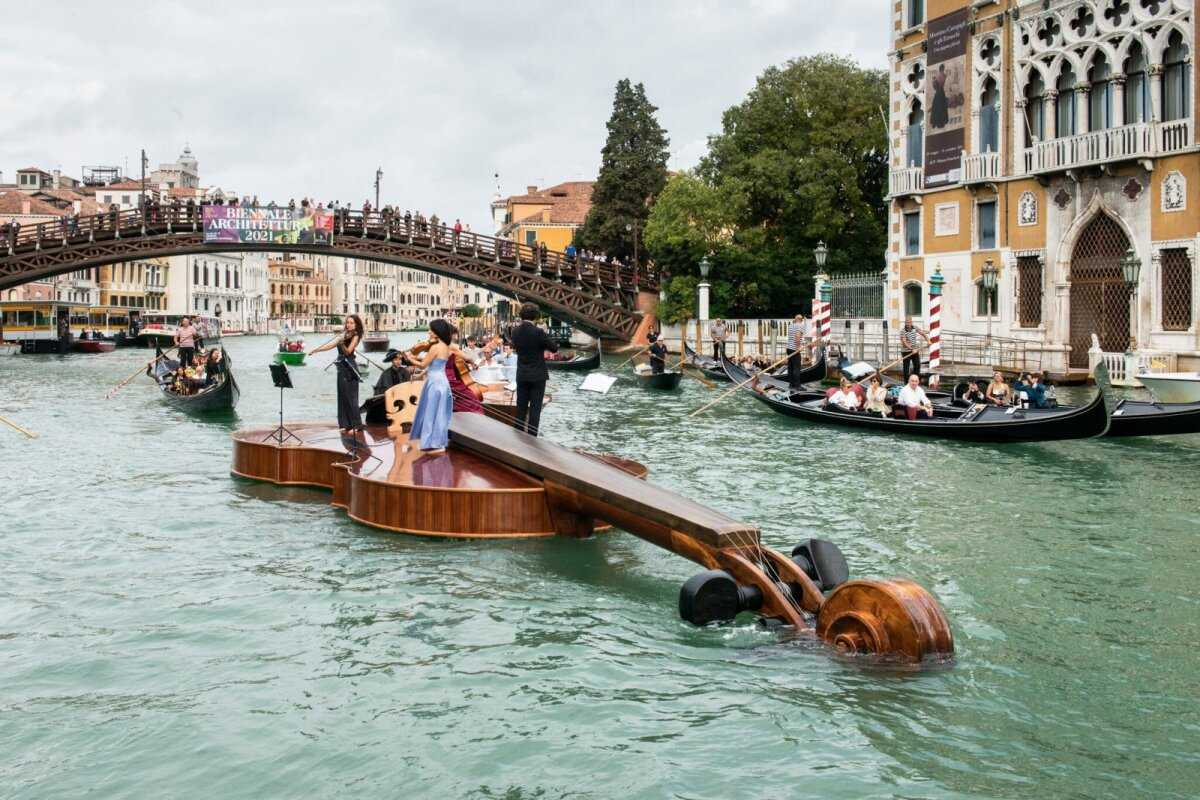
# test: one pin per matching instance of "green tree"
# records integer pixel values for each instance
(803, 158)
(633, 170)
(470, 310)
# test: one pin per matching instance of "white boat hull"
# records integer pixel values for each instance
(1173, 387)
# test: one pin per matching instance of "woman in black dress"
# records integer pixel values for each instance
(349, 417)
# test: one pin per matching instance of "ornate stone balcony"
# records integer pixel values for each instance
(906, 180)
(1128, 142)
(979, 167)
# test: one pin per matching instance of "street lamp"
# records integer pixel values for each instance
(990, 275)
(702, 289)
(820, 253)
(378, 179)
(1131, 268)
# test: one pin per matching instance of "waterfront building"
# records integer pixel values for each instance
(545, 216)
(135, 284)
(300, 291)
(256, 293)
(209, 284)
(1047, 139)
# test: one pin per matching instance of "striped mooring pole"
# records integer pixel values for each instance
(935, 326)
(826, 305)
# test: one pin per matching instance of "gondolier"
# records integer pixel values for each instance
(531, 344)
(658, 354)
(797, 341)
(910, 346)
(185, 340)
(718, 332)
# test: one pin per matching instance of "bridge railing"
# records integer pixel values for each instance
(159, 218)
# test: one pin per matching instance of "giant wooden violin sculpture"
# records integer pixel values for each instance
(496, 482)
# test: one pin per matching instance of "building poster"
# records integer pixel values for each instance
(267, 225)
(945, 97)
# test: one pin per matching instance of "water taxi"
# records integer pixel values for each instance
(158, 327)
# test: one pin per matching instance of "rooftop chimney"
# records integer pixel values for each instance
(531, 190)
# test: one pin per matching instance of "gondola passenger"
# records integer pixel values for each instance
(876, 397)
(998, 393)
(912, 402)
(973, 394)
(845, 398)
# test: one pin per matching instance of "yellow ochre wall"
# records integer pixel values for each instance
(555, 238)
(1177, 224)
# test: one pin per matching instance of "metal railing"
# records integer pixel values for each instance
(858, 294)
(870, 340)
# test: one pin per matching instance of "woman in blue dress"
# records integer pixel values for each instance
(436, 403)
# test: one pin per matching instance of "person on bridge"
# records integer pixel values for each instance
(349, 416)
(531, 344)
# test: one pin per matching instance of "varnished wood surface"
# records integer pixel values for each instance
(610, 492)
(396, 486)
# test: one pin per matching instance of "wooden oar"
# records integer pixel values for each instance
(632, 357)
(683, 365)
(739, 386)
(17, 427)
(886, 367)
(138, 371)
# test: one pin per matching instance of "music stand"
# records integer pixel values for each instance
(281, 378)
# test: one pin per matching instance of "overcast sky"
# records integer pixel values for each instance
(292, 99)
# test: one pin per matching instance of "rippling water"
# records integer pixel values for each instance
(167, 630)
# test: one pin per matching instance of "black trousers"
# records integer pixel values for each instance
(718, 350)
(186, 354)
(793, 363)
(912, 364)
(349, 416)
(529, 405)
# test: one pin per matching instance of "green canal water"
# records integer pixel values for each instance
(169, 631)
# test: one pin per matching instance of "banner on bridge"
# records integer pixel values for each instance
(267, 225)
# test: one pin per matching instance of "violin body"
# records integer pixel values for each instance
(400, 402)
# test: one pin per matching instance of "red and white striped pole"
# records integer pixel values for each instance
(935, 327)
(826, 306)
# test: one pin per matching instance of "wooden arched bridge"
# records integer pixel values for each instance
(599, 297)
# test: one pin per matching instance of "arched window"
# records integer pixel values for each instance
(1035, 110)
(916, 136)
(1100, 102)
(1064, 104)
(1175, 79)
(1137, 91)
(989, 117)
(912, 300)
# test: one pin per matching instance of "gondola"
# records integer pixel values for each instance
(711, 367)
(578, 363)
(811, 373)
(1148, 418)
(376, 342)
(979, 423)
(221, 396)
(662, 381)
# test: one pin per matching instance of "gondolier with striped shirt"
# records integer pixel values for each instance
(185, 340)
(797, 341)
(910, 346)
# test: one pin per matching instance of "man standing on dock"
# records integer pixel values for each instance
(797, 339)
(531, 344)
(910, 346)
(718, 332)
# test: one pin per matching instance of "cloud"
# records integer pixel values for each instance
(292, 99)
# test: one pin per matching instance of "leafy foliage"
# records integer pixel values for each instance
(470, 310)
(633, 170)
(802, 159)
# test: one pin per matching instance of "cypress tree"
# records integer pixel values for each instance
(633, 170)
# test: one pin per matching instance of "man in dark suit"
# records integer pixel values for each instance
(531, 344)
